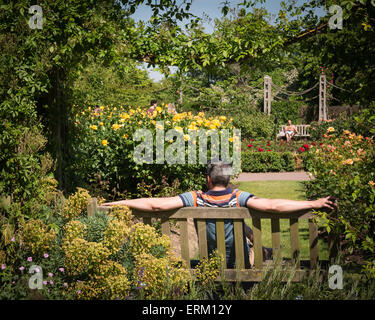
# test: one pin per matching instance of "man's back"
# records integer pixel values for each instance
(219, 199)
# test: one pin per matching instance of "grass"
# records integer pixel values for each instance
(292, 190)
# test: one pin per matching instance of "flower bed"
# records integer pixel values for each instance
(267, 161)
(104, 148)
(106, 256)
(343, 167)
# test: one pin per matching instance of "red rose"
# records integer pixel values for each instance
(268, 150)
(313, 144)
(260, 149)
(302, 149)
(252, 140)
(268, 144)
(249, 145)
(306, 146)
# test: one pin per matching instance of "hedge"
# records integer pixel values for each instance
(267, 161)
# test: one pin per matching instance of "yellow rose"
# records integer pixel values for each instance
(330, 129)
(125, 136)
(348, 161)
(186, 137)
(115, 127)
(94, 127)
(104, 142)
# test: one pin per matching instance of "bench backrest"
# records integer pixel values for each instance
(303, 129)
(238, 215)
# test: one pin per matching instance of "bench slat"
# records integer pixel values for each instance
(313, 239)
(220, 238)
(239, 244)
(184, 241)
(202, 238)
(258, 252)
(165, 229)
(275, 229)
(147, 220)
(92, 206)
(294, 241)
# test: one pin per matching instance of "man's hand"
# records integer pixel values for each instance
(327, 202)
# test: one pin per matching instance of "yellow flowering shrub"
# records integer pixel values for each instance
(82, 256)
(35, 236)
(159, 276)
(108, 147)
(76, 204)
(143, 237)
(109, 283)
(122, 213)
(115, 234)
(208, 269)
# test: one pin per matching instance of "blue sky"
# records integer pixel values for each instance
(211, 8)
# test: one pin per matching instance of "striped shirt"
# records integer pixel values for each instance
(220, 199)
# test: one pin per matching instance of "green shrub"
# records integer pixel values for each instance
(267, 161)
(104, 147)
(286, 110)
(343, 167)
(254, 125)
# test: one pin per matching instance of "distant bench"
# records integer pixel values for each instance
(238, 215)
(302, 131)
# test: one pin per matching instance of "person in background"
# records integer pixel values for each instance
(153, 105)
(290, 131)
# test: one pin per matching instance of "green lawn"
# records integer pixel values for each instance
(292, 190)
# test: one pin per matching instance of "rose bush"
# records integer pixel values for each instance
(103, 149)
(343, 167)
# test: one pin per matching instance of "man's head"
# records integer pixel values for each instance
(153, 103)
(218, 174)
(289, 122)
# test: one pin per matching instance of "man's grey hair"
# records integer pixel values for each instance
(220, 173)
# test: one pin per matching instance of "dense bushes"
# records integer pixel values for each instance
(343, 167)
(267, 161)
(104, 148)
(107, 256)
(286, 110)
(254, 124)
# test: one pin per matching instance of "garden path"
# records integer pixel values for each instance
(262, 176)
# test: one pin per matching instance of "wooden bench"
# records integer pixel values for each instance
(302, 131)
(238, 215)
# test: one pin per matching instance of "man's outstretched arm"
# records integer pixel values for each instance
(150, 204)
(283, 205)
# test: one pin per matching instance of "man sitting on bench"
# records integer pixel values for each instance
(290, 131)
(220, 195)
